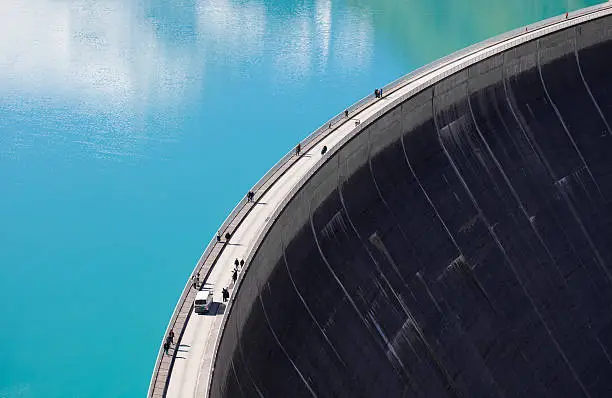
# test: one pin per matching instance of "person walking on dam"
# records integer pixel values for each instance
(166, 347)
(236, 264)
(298, 148)
(171, 336)
(235, 275)
(241, 263)
(225, 294)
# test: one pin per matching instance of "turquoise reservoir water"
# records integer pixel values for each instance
(129, 130)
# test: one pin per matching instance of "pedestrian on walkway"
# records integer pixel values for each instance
(298, 148)
(380, 94)
(323, 150)
(224, 294)
(236, 264)
(166, 347)
(218, 236)
(171, 336)
(235, 275)
(241, 263)
(346, 113)
(376, 93)
(227, 236)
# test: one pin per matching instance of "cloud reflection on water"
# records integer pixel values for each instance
(232, 31)
(117, 60)
(109, 54)
(323, 20)
(100, 54)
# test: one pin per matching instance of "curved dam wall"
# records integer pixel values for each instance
(459, 246)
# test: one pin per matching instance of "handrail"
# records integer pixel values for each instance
(322, 132)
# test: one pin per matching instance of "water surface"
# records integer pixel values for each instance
(129, 130)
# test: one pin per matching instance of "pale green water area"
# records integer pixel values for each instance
(129, 130)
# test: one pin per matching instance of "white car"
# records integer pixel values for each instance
(203, 300)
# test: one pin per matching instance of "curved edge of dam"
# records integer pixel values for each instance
(425, 252)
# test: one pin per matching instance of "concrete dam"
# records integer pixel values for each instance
(458, 243)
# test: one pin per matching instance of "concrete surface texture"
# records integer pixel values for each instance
(457, 243)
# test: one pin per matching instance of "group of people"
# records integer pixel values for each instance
(195, 280)
(227, 236)
(237, 263)
(378, 93)
(169, 341)
(250, 196)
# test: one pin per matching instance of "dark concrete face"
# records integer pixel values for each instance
(460, 246)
